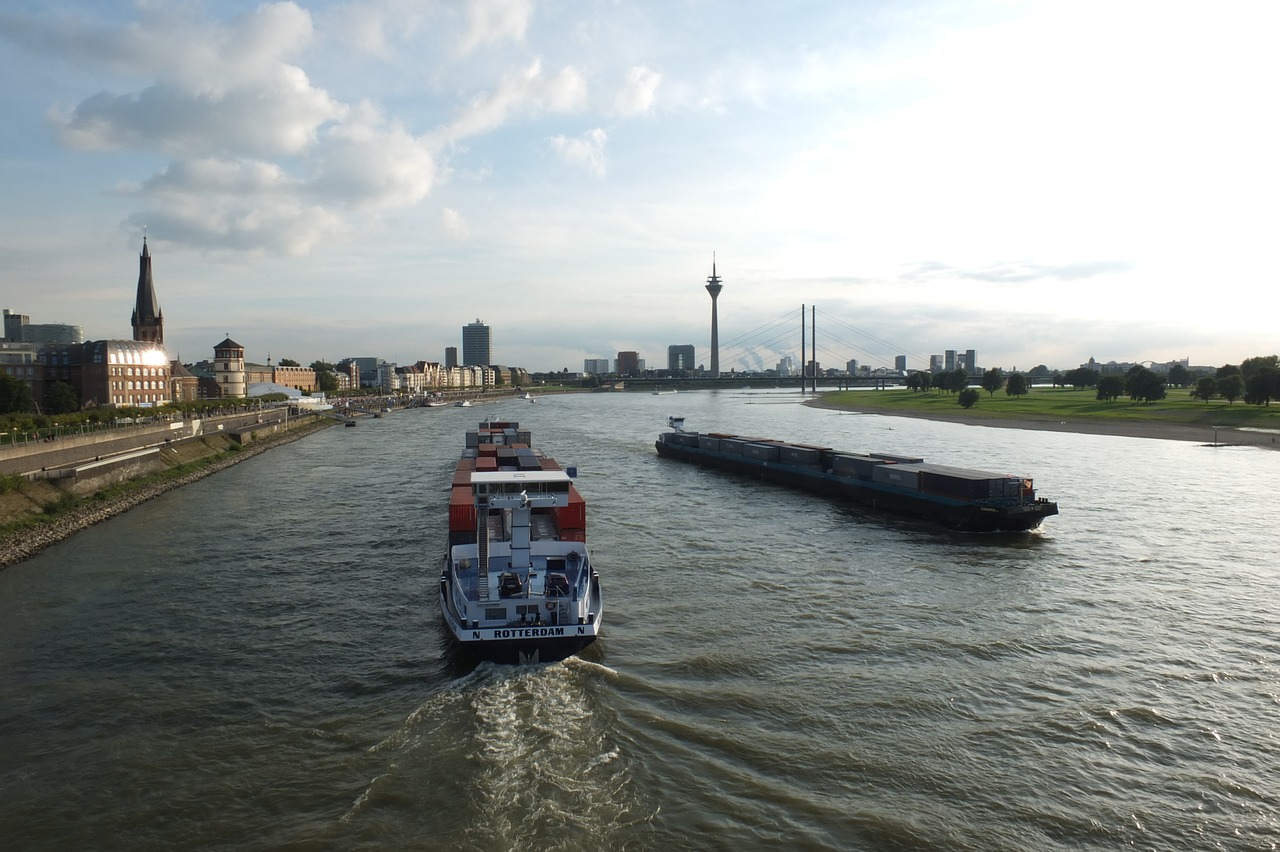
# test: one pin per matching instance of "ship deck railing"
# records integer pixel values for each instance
(578, 575)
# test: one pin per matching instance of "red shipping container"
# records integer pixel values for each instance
(573, 516)
(487, 463)
(462, 510)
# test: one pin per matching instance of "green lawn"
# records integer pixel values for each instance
(1065, 404)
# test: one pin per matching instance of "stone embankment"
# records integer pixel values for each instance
(23, 544)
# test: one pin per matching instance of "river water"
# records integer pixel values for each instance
(256, 661)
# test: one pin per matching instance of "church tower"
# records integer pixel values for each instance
(148, 321)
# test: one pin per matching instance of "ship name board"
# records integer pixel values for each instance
(526, 632)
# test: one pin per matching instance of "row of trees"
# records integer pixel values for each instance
(957, 381)
(1255, 380)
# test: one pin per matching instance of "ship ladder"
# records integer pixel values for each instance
(482, 554)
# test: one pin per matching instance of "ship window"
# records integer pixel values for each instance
(495, 613)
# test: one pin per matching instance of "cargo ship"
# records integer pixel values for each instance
(517, 585)
(957, 498)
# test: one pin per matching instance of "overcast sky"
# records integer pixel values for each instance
(1043, 182)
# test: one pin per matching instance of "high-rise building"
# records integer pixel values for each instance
(900, 363)
(476, 347)
(713, 287)
(13, 325)
(628, 363)
(148, 320)
(595, 366)
(19, 329)
(680, 357)
(950, 356)
(450, 357)
(971, 361)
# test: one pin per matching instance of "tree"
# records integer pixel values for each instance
(61, 398)
(939, 381)
(1016, 385)
(1179, 376)
(1058, 379)
(992, 380)
(1205, 389)
(1143, 385)
(289, 362)
(969, 397)
(1230, 386)
(15, 396)
(1227, 370)
(1110, 387)
(919, 381)
(1250, 367)
(957, 380)
(327, 381)
(322, 366)
(1081, 378)
(1263, 386)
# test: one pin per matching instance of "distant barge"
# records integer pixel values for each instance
(957, 498)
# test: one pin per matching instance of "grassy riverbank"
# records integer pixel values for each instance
(1178, 417)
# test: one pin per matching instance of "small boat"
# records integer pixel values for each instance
(462, 403)
(351, 421)
(957, 498)
(517, 584)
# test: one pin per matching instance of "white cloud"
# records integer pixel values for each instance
(637, 93)
(263, 159)
(527, 92)
(454, 225)
(240, 205)
(366, 165)
(279, 114)
(495, 20)
(375, 28)
(587, 151)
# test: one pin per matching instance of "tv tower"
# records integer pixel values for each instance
(713, 287)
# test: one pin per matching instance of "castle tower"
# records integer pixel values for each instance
(148, 320)
(713, 287)
(228, 369)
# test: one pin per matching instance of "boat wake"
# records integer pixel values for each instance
(532, 761)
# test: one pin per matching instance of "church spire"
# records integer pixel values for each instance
(148, 320)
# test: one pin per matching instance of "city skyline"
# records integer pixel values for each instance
(1044, 182)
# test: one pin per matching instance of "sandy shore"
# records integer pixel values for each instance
(24, 544)
(1154, 430)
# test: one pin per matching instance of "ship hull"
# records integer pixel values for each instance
(960, 515)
